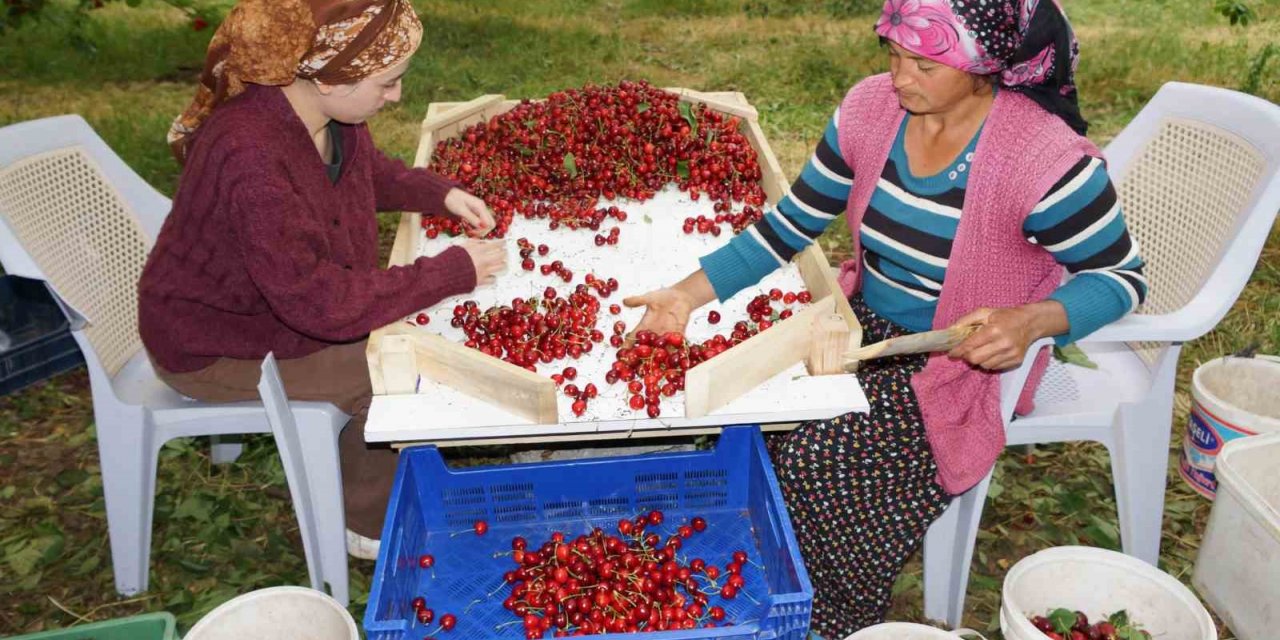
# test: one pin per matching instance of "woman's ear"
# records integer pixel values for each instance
(322, 88)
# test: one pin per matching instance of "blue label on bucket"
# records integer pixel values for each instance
(1201, 432)
(1206, 435)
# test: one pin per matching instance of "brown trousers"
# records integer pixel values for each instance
(337, 374)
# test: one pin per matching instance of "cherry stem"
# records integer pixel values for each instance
(500, 586)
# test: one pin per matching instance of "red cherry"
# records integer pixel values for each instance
(579, 407)
(422, 319)
(699, 524)
(426, 561)
(480, 527)
(713, 317)
(419, 603)
(448, 622)
(199, 24)
(425, 616)
(655, 517)
(570, 373)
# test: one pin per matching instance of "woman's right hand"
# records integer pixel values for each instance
(666, 310)
(489, 258)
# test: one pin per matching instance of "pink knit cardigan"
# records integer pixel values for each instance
(1022, 152)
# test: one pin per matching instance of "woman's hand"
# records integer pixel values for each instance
(665, 310)
(668, 309)
(471, 210)
(1005, 335)
(489, 258)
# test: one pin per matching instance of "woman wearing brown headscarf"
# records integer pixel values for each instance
(272, 243)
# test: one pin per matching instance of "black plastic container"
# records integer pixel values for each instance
(40, 344)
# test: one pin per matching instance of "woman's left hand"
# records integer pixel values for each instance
(1005, 335)
(472, 210)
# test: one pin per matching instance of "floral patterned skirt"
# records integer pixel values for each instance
(861, 490)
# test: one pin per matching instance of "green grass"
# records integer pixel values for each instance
(226, 530)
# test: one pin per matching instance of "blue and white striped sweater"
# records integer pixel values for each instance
(911, 222)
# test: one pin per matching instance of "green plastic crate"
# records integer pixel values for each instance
(148, 626)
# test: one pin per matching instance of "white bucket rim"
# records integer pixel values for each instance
(1230, 480)
(257, 594)
(901, 627)
(1099, 556)
(1199, 388)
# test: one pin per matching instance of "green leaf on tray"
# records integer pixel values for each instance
(686, 110)
(571, 165)
(682, 169)
(642, 107)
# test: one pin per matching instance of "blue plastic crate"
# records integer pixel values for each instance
(733, 487)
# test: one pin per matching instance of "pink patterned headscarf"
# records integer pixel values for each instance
(1028, 44)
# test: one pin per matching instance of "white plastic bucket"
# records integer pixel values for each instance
(903, 631)
(1238, 567)
(1230, 398)
(1099, 582)
(277, 613)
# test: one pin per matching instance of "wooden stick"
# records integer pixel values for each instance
(927, 342)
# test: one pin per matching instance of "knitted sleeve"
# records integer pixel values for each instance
(400, 188)
(816, 198)
(1079, 221)
(285, 252)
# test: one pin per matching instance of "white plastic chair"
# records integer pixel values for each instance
(311, 464)
(1198, 174)
(75, 216)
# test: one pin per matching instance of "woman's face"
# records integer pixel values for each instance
(355, 103)
(925, 86)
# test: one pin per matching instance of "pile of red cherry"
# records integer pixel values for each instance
(553, 159)
(629, 582)
(655, 366)
(538, 329)
(1065, 624)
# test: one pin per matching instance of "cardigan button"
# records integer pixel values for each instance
(335, 222)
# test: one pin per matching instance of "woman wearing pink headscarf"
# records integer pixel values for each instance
(970, 191)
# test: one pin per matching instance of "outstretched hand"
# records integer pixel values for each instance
(666, 310)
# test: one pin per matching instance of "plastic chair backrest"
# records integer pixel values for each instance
(85, 239)
(1190, 170)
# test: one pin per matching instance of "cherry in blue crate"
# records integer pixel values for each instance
(688, 540)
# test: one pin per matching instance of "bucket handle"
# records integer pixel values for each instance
(968, 632)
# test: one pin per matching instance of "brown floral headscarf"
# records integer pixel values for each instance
(272, 42)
